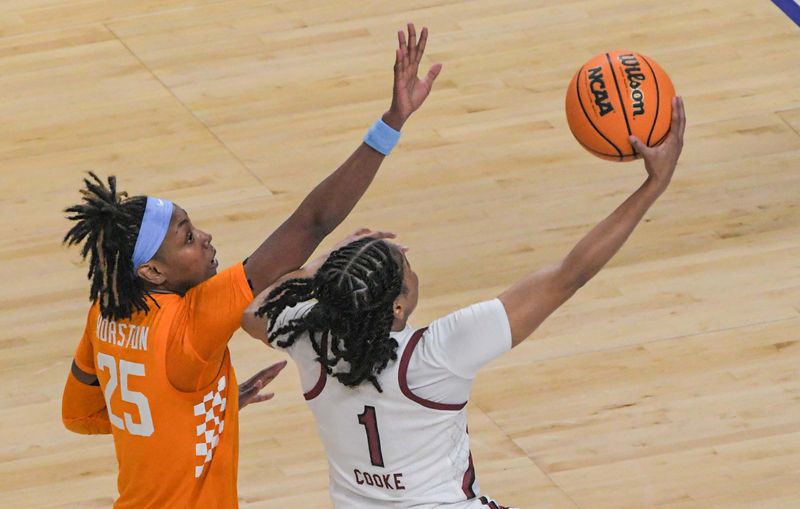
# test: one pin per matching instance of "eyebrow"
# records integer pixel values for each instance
(181, 223)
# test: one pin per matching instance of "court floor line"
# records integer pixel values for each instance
(188, 109)
(523, 453)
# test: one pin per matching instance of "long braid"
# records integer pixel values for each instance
(350, 324)
(107, 223)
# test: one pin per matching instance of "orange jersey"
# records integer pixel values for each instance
(171, 394)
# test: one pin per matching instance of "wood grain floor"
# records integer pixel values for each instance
(670, 381)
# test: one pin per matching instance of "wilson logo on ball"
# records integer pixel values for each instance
(614, 95)
(633, 72)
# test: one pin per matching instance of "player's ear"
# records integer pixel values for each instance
(152, 273)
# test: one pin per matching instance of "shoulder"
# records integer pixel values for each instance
(480, 318)
(231, 280)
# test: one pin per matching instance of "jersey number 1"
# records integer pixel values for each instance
(143, 428)
(370, 422)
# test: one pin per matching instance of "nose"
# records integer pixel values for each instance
(208, 237)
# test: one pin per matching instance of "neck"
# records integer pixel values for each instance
(399, 324)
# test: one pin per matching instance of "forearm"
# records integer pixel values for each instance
(83, 408)
(598, 246)
(323, 209)
(333, 198)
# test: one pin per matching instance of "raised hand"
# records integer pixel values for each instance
(360, 233)
(660, 161)
(249, 391)
(409, 91)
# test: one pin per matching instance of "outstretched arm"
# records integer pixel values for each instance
(529, 302)
(333, 199)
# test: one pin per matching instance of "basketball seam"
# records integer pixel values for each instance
(619, 94)
(580, 102)
(658, 98)
(661, 139)
(597, 152)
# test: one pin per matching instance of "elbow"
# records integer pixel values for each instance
(317, 222)
(570, 279)
(578, 282)
(73, 425)
(319, 228)
(245, 323)
(87, 426)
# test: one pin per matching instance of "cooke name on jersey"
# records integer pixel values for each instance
(386, 481)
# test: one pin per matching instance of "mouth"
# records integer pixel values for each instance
(214, 262)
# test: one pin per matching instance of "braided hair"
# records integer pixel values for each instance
(107, 222)
(355, 290)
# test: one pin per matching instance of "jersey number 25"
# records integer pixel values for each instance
(126, 369)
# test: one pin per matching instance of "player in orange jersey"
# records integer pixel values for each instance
(153, 367)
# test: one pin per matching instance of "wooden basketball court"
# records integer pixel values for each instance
(671, 380)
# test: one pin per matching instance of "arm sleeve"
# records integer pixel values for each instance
(214, 310)
(84, 354)
(83, 408)
(464, 341)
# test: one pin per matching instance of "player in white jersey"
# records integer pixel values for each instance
(400, 439)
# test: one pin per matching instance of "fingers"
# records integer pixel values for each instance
(678, 125)
(423, 39)
(262, 397)
(366, 232)
(400, 64)
(401, 55)
(264, 376)
(432, 74)
(412, 43)
(638, 146)
(248, 398)
(410, 49)
(267, 375)
(382, 235)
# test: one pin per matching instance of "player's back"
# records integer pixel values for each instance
(395, 448)
(155, 426)
(175, 446)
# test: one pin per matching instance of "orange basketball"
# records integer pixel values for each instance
(617, 94)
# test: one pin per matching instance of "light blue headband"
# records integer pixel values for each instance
(155, 223)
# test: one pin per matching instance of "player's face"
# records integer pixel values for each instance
(186, 254)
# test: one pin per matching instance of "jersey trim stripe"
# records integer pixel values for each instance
(317, 389)
(491, 503)
(402, 379)
(469, 479)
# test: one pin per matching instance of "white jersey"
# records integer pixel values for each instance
(407, 446)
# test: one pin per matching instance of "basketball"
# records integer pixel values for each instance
(615, 95)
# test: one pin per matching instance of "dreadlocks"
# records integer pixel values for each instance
(355, 290)
(108, 226)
